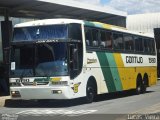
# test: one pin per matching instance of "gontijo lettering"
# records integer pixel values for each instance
(134, 59)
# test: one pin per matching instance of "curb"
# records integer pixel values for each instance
(3, 99)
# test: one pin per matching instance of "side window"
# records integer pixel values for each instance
(106, 39)
(149, 46)
(152, 46)
(118, 41)
(88, 36)
(95, 35)
(103, 39)
(146, 45)
(75, 31)
(129, 42)
(138, 44)
(109, 40)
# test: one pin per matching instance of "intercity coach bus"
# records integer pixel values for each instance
(68, 58)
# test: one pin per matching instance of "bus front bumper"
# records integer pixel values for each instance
(28, 93)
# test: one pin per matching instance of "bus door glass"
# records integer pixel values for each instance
(76, 49)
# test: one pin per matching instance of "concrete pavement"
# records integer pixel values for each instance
(117, 106)
(4, 99)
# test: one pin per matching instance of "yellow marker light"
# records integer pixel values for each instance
(55, 79)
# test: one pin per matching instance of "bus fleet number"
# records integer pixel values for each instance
(152, 60)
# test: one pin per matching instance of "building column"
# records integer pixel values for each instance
(6, 28)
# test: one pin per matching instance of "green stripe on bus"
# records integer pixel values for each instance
(89, 24)
(106, 71)
(114, 71)
(93, 24)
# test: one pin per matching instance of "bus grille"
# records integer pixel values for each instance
(34, 83)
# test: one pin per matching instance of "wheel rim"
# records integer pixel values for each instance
(139, 89)
(144, 87)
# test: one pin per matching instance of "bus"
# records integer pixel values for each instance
(69, 58)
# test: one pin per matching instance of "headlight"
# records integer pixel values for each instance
(15, 94)
(57, 91)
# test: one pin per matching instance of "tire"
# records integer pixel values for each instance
(90, 93)
(144, 86)
(139, 86)
(138, 89)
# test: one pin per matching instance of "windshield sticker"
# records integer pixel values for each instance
(13, 65)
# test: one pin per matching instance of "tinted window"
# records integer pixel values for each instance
(147, 47)
(129, 42)
(92, 37)
(138, 44)
(106, 39)
(118, 41)
(48, 59)
(41, 33)
(103, 39)
(109, 39)
(152, 46)
(88, 36)
(75, 31)
(95, 37)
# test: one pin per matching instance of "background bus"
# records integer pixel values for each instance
(67, 58)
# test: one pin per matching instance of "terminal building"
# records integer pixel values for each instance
(144, 23)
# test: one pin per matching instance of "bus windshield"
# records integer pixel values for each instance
(47, 59)
(35, 33)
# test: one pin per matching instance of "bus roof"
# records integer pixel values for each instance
(86, 23)
(49, 22)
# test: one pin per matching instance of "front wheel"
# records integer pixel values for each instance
(90, 93)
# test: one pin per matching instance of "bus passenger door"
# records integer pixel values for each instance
(75, 60)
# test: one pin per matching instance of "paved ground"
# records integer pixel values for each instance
(119, 106)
